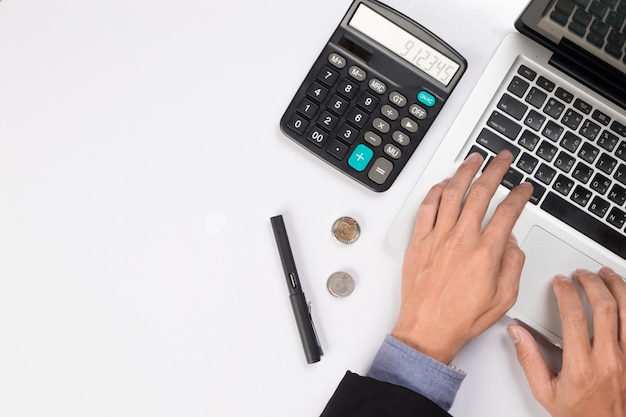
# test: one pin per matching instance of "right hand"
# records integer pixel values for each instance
(592, 381)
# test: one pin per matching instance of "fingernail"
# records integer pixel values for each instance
(561, 277)
(505, 154)
(605, 271)
(512, 238)
(513, 335)
(474, 157)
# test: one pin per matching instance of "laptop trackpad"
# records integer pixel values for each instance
(546, 256)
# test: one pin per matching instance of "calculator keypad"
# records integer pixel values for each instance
(358, 121)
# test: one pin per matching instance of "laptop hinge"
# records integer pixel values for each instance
(606, 81)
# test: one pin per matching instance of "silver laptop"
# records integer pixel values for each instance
(554, 94)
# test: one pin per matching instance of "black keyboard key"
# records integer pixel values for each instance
(620, 174)
(338, 105)
(572, 119)
(474, 149)
(583, 3)
(600, 184)
(545, 174)
(512, 107)
(616, 38)
(588, 152)
(328, 121)
(599, 9)
(565, 6)
(337, 149)
(536, 97)
(613, 50)
(583, 106)
(606, 163)
(529, 140)
(577, 28)
(307, 108)
(552, 131)
(527, 163)
(564, 161)
(620, 152)
(615, 19)
(318, 136)
(559, 17)
(534, 120)
(546, 151)
(582, 173)
(554, 108)
(571, 142)
(585, 223)
(599, 206)
(347, 88)
(582, 17)
(495, 143)
(327, 76)
(563, 184)
(526, 72)
(538, 191)
(581, 195)
(608, 140)
(518, 87)
(618, 128)
(504, 125)
(599, 28)
(317, 92)
(512, 178)
(367, 101)
(590, 130)
(617, 195)
(564, 95)
(546, 84)
(595, 39)
(298, 124)
(616, 217)
(598, 116)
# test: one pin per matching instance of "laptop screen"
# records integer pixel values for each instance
(588, 38)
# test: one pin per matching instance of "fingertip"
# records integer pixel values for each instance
(514, 335)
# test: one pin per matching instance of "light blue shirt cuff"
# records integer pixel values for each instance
(399, 364)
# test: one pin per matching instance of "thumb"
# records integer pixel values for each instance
(534, 365)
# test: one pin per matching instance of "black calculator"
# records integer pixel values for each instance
(373, 93)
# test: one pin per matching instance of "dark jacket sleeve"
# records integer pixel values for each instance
(363, 397)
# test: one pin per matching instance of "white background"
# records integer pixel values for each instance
(140, 162)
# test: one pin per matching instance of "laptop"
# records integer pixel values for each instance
(554, 94)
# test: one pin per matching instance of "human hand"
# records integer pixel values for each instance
(592, 380)
(458, 279)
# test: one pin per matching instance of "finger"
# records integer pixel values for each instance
(510, 271)
(506, 214)
(535, 368)
(454, 192)
(617, 286)
(484, 188)
(576, 341)
(427, 213)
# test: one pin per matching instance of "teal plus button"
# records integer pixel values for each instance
(426, 98)
(361, 156)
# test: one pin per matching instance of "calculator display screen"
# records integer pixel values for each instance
(403, 44)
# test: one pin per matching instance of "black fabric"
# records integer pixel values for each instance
(364, 397)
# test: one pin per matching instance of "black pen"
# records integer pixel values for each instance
(301, 310)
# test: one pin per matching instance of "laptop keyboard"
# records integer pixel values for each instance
(573, 153)
(601, 23)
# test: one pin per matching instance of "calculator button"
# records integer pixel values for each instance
(378, 86)
(317, 92)
(347, 133)
(397, 99)
(317, 136)
(410, 125)
(401, 138)
(338, 105)
(392, 151)
(298, 123)
(307, 108)
(357, 117)
(337, 149)
(360, 157)
(357, 73)
(328, 121)
(418, 111)
(347, 89)
(389, 112)
(367, 101)
(380, 125)
(372, 138)
(327, 76)
(380, 170)
(337, 60)
(426, 98)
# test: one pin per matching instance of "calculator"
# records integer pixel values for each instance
(373, 93)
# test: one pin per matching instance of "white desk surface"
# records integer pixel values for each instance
(140, 162)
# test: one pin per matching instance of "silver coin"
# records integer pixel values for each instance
(340, 284)
(346, 230)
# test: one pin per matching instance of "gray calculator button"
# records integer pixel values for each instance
(378, 86)
(389, 112)
(357, 73)
(337, 60)
(380, 125)
(410, 125)
(401, 138)
(392, 151)
(418, 111)
(372, 138)
(397, 99)
(380, 170)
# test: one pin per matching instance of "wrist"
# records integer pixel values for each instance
(427, 343)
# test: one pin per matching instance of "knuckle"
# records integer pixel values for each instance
(450, 194)
(576, 316)
(606, 307)
(479, 190)
(508, 209)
